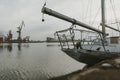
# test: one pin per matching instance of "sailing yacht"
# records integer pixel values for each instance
(108, 48)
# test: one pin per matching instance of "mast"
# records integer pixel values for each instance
(19, 31)
(103, 18)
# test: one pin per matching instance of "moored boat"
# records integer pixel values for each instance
(99, 49)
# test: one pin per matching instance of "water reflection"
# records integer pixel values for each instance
(19, 46)
(34, 61)
(1, 47)
(9, 46)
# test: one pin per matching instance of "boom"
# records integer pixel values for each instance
(48, 11)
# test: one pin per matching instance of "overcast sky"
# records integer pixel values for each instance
(12, 12)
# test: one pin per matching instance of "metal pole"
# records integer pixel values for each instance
(103, 18)
(67, 42)
(112, 28)
(60, 41)
(72, 38)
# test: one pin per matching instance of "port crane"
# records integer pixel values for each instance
(19, 30)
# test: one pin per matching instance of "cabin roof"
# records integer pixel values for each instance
(114, 37)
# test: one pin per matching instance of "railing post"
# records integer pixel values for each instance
(60, 41)
(67, 42)
(72, 39)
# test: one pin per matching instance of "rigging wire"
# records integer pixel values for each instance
(82, 3)
(87, 8)
(115, 15)
(95, 16)
(90, 10)
(113, 8)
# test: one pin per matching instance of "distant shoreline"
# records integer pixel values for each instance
(34, 42)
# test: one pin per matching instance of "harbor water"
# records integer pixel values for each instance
(34, 61)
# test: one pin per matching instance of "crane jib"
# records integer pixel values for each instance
(48, 11)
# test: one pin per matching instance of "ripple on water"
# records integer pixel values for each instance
(22, 74)
(36, 62)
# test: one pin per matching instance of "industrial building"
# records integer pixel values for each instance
(1, 37)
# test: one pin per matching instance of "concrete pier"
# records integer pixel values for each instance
(105, 70)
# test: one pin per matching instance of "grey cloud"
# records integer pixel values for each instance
(12, 12)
